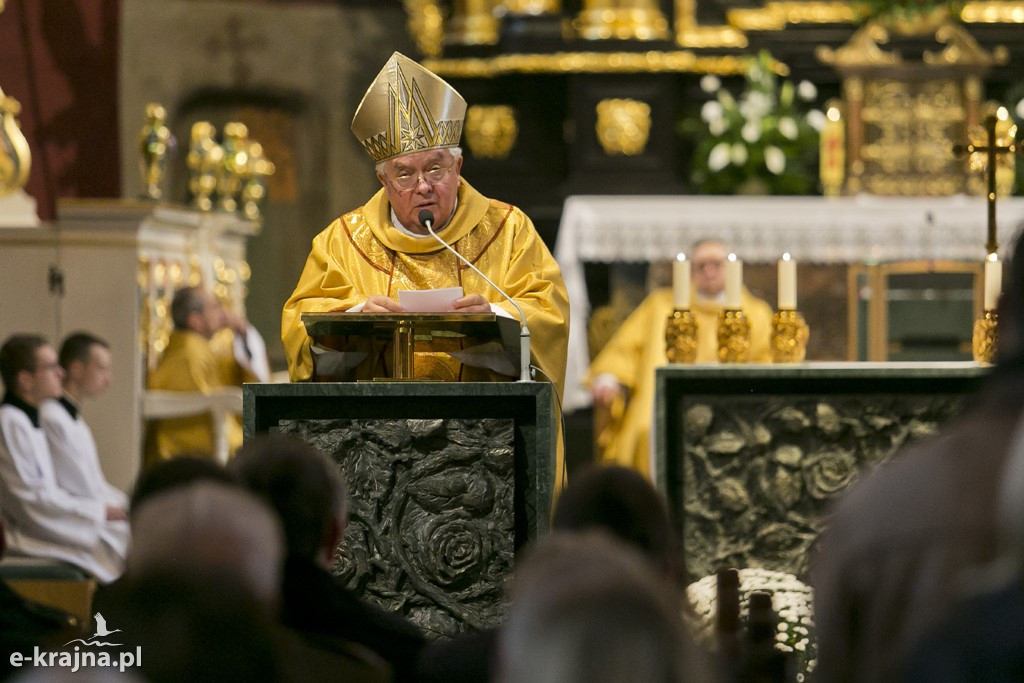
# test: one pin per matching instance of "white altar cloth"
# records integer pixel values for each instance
(857, 229)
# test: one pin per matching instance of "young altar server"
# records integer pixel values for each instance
(85, 360)
(42, 519)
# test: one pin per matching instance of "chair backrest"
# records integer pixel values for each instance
(158, 405)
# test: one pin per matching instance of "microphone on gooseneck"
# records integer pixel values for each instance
(426, 219)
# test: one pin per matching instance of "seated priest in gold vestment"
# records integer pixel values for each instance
(196, 360)
(410, 122)
(622, 376)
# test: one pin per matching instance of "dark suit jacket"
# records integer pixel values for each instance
(329, 615)
(897, 548)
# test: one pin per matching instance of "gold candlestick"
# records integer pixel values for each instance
(986, 337)
(789, 336)
(733, 336)
(155, 142)
(681, 337)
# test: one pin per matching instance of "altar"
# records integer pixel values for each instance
(750, 457)
(845, 230)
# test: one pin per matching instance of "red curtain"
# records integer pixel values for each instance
(59, 60)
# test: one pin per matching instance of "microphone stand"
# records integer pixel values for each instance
(426, 219)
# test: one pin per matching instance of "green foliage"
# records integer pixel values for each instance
(763, 142)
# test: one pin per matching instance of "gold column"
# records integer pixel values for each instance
(622, 20)
(404, 351)
(472, 23)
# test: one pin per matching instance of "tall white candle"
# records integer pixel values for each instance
(681, 282)
(787, 283)
(733, 282)
(993, 281)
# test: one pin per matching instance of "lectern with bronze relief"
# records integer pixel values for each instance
(446, 479)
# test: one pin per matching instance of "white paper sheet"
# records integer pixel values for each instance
(429, 300)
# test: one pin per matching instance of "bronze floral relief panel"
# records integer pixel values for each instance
(759, 474)
(431, 527)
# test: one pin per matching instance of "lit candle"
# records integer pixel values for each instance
(993, 281)
(681, 282)
(787, 283)
(733, 282)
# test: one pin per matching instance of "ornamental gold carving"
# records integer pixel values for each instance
(426, 25)
(623, 126)
(15, 155)
(621, 20)
(681, 337)
(985, 338)
(472, 23)
(676, 61)
(491, 130)
(733, 336)
(532, 7)
(155, 142)
(789, 337)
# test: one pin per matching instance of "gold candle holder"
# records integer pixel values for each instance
(986, 337)
(681, 337)
(733, 336)
(789, 336)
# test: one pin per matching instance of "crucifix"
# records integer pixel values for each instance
(992, 150)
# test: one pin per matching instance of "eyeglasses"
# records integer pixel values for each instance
(407, 181)
(47, 367)
(714, 264)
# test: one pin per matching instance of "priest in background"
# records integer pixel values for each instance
(622, 376)
(86, 362)
(410, 123)
(192, 363)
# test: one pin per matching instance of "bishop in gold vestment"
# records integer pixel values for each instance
(638, 347)
(363, 254)
(410, 122)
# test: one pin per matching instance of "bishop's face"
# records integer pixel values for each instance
(422, 180)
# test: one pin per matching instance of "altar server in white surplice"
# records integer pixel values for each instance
(86, 362)
(42, 519)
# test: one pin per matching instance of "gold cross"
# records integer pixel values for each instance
(993, 149)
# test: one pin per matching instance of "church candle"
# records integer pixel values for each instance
(787, 283)
(993, 281)
(733, 282)
(681, 282)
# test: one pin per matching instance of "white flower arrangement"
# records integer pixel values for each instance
(769, 122)
(792, 601)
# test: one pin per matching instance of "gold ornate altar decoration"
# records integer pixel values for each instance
(623, 126)
(491, 130)
(15, 155)
(902, 115)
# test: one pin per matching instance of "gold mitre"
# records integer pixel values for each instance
(408, 109)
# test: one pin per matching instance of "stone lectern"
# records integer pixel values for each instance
(446, 479)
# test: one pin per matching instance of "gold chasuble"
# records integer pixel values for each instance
(363, 254)
(194, 364)
(638, 347)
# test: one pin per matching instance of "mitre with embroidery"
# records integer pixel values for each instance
(408, 109)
